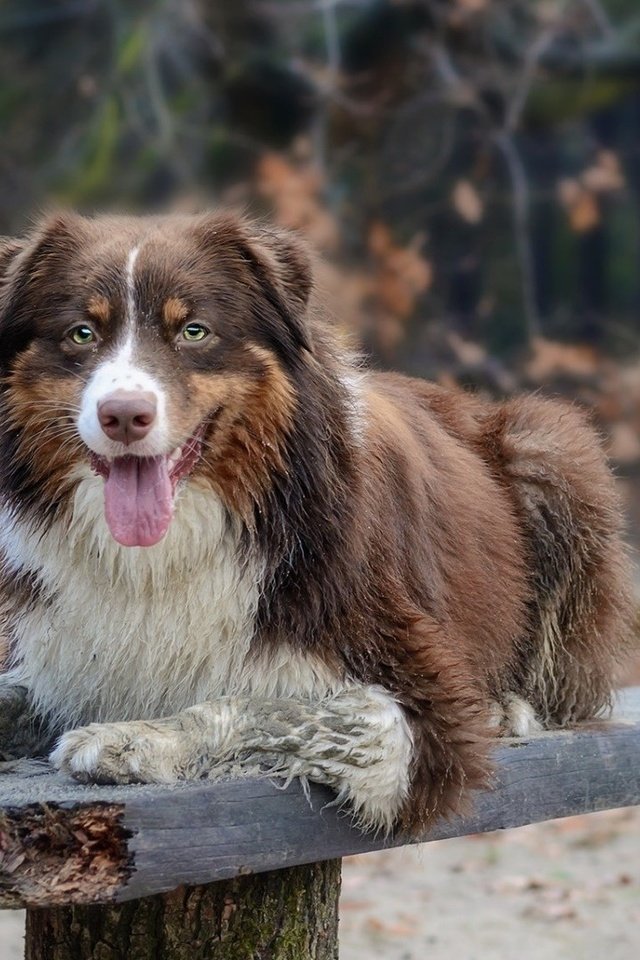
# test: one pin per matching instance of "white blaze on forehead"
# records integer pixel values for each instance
(131, 304)
(119, 371)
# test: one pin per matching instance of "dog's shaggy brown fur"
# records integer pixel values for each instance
(463, 556)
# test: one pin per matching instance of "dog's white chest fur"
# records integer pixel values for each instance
(124, 633)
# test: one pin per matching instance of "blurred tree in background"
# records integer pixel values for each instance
(470, 169)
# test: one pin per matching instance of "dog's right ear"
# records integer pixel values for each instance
(51, 243)
(10, 247)
(26, 265)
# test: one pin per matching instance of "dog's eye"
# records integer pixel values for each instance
(194, 332)
(82, 335)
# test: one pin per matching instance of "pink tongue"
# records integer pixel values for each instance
(138, 500)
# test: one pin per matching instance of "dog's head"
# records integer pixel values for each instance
(156, 350)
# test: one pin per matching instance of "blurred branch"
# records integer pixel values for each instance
(157, 100)
(600, 17)
(520, 186)
(426, 174)
(461, 92)
(332, 42)
(332, 47)
(532, 59)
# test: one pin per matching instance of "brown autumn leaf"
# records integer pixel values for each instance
(402, 273)
(395, 292)
(412, 268)
(551, 911)
(606, 175)
(585, 214)
(379, 239)
(345, 295)
(389, 332)
(391, 929)
(569, 191)
(469, 353)
(550, 358)
(347, 904)
(624, 443)
(579, 196)
(277, 174)
(519, 884)
(467, 202)
(294, 190)
(580, 203)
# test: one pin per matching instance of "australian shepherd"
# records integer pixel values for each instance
(223, 541)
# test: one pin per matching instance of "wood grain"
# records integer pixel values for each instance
(198, 833)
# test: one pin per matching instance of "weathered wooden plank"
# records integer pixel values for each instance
(62, 842)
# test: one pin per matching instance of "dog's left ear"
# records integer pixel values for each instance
(280, 265)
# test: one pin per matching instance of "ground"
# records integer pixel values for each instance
(566, 890)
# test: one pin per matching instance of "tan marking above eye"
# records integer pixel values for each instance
(262, 354)
(175, 312)
(99, 308)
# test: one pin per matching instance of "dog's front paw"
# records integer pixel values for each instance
(136, 752)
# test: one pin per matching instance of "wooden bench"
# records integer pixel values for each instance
(246, 869)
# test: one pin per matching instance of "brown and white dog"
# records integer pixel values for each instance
(222, 541)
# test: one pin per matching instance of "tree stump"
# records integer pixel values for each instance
(289, 914)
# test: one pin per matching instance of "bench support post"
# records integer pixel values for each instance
(289, 914)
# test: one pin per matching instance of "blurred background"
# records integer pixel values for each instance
(469, 171)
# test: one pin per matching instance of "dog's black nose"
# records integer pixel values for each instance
(127, 415)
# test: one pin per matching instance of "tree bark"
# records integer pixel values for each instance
(287, 914)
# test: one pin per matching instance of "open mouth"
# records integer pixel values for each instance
(139, 492)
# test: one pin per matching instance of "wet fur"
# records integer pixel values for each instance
(398, 553)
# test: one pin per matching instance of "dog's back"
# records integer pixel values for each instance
(580, 611)
(551, 552)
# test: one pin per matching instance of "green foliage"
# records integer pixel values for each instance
(99, 160)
